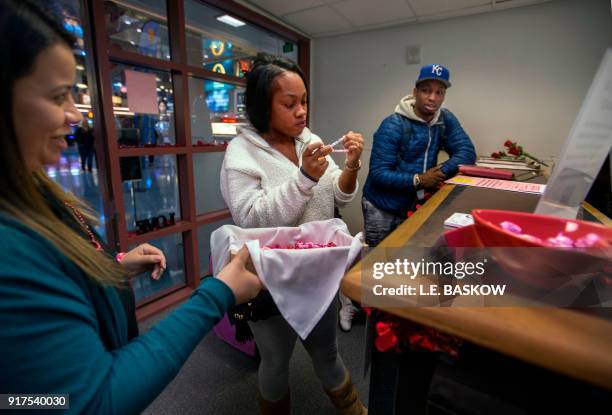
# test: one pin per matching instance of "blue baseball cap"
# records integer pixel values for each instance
(435, 72)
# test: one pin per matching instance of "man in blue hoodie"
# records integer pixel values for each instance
(404, 159)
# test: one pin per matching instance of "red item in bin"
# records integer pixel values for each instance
(550, 266)
(491, 232)
(486, 172)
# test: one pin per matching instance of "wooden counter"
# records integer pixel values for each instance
(565, 341)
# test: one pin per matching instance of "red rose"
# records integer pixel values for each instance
(386, 342)
(514, 151)
(386, 339)
(508, 143)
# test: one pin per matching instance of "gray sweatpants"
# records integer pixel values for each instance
(276, 339)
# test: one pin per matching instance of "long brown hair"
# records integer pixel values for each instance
(25, 31)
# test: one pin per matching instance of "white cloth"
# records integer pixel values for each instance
(263, 188)
(302, 282)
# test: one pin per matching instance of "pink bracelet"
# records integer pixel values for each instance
(119, 256)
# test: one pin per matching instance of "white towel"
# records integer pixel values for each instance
(302, 282)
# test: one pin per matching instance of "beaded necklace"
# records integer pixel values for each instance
(84, 226)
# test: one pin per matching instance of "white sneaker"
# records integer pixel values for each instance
(346, 313)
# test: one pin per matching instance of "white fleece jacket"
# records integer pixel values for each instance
(262, 188)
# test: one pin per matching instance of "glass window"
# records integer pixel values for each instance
(206, 172)
(139, 26)
(174, 276)
(216, 110)
(204, 232)
(143, 105)
(77, 169)
(150, 192)
(225, 44)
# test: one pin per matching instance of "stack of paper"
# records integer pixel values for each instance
(507, 164)
(459, 220)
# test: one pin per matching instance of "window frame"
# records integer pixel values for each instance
(100, 56)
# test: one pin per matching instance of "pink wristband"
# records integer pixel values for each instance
(119, 256)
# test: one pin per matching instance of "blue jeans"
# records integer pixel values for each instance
(378, 223)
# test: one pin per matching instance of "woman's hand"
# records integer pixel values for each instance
(244, 284)
(314, 162)
(143, 258)
(353, 142)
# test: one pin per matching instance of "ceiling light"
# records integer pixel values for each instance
(232, 21)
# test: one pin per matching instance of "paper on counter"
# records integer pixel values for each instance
(508, 185)
(459, 220)
(503, 166)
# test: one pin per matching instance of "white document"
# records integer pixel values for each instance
(504, 166)
(585, 149)
(459, 220)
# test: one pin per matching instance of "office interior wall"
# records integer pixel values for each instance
(518, 74)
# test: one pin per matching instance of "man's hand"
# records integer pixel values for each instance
(432, 177)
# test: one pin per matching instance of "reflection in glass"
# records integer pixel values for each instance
(206, 175)
(150, 190)
(77, 169)
(174, 276)
(228, 47)
(143, 105)
(204, 232)
(216, 110)
(138, 26)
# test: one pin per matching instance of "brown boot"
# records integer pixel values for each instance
(345, 399)
(280, 407)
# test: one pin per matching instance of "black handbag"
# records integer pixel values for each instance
(261, 307)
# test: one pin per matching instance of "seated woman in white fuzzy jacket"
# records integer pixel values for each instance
(277, 173)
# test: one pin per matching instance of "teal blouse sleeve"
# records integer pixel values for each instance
(50, 340)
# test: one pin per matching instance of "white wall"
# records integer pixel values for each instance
(520, 74)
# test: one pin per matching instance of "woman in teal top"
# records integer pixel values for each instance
(63, 327)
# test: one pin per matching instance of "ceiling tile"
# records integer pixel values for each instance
(318, 20)
(426, 7)
(330, 17)
(368, 12)
(280, 8)
(456, 13)
(508, 4)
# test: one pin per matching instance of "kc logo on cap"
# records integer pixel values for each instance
(434, 72)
